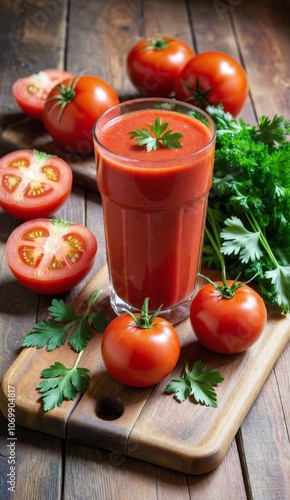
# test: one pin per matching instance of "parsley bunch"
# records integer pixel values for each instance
(249, 204)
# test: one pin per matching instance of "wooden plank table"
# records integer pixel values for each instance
(95, 36)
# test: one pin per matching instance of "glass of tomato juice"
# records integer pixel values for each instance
(154, 202)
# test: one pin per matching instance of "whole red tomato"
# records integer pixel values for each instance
(227, 318)
(213, 78)
(154, 64)
(72, 108)
(140, 351)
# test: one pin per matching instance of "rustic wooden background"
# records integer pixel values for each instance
(95, 36)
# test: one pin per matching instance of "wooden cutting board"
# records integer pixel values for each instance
(147, 424)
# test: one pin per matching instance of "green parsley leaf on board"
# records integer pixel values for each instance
(47, 333)
(62, 383)
(198, 383)
(161, 136)
(248, 218)
(65, 321)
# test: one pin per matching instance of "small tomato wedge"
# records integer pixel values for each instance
(213, 78)
(227, 317)
(72, 108)
(140, 350)
(154, 64)
(50, 256)
(31, 91)
(33, 184)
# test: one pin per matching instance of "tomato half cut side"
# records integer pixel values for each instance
(33, 184)
(50, 256)
(31, 92)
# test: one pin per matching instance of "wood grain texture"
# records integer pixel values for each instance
(220, 37)
(146, 423)
(258, 33)
(270, 89)
(270, 75)
(108, 30)
(32, 38)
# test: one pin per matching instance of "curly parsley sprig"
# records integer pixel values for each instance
(161, 136)
(60, 382)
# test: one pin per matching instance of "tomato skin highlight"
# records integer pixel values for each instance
(216, 72)
(227, 326)
(72, 129)
(139, 357)
(30, 92)
(48, 259)
(153, 71)
(33, 184)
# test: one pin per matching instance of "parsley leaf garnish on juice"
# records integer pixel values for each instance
(161, 136)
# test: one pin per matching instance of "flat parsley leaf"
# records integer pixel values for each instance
(197, 383)
(61, 311)
(65, 320)
(81, 335)
(62, 383)
(46, 332)
(239, 240)
(280, 278)
(166, 138)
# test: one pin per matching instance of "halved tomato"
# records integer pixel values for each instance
(50, 256)
(31, 91)
(33, 184)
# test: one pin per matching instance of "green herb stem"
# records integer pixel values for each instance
(214, 239)
(78, 359)
(254, 224)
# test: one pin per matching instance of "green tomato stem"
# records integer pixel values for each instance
(144, 321)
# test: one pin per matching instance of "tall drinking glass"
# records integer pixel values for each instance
(154, 202)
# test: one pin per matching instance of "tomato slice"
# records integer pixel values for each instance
(31, 92)
(33, 184)
(50, 256)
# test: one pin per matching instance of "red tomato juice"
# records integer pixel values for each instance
(154, 207)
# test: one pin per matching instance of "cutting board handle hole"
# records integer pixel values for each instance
(109, 408)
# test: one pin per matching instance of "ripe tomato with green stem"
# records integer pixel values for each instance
(154, 63)
(227, 316)
(33, 184)
(140, 350)
(72, 108)
(30, 92)
(50, 256)
(213, 78)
